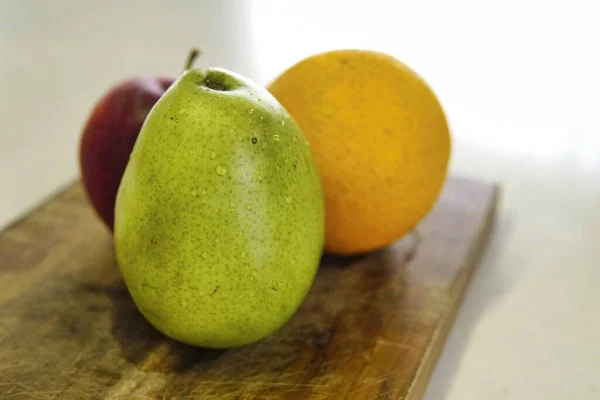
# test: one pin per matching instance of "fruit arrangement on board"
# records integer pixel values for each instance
(222, 194)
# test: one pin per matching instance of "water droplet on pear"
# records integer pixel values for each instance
(221, 169)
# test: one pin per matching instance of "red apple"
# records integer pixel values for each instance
(109, 136)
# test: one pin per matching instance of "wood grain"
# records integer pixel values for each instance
(372, 327)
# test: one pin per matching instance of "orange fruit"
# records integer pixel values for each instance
(380, 140)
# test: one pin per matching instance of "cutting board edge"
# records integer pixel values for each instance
(440, 336)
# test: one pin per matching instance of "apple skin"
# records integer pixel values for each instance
(109, 135)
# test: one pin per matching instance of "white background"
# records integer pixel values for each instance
(519, 81)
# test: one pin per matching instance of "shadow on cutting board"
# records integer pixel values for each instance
(137, 338)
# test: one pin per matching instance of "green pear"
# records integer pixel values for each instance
(219, 215)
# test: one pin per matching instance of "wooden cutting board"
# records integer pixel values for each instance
(372, 327)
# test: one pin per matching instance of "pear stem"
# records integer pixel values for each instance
(193, 54)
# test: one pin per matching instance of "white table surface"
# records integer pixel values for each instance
(519, 81)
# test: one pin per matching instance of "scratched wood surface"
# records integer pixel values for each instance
(372, 327)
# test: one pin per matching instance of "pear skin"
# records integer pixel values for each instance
(219, 218)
